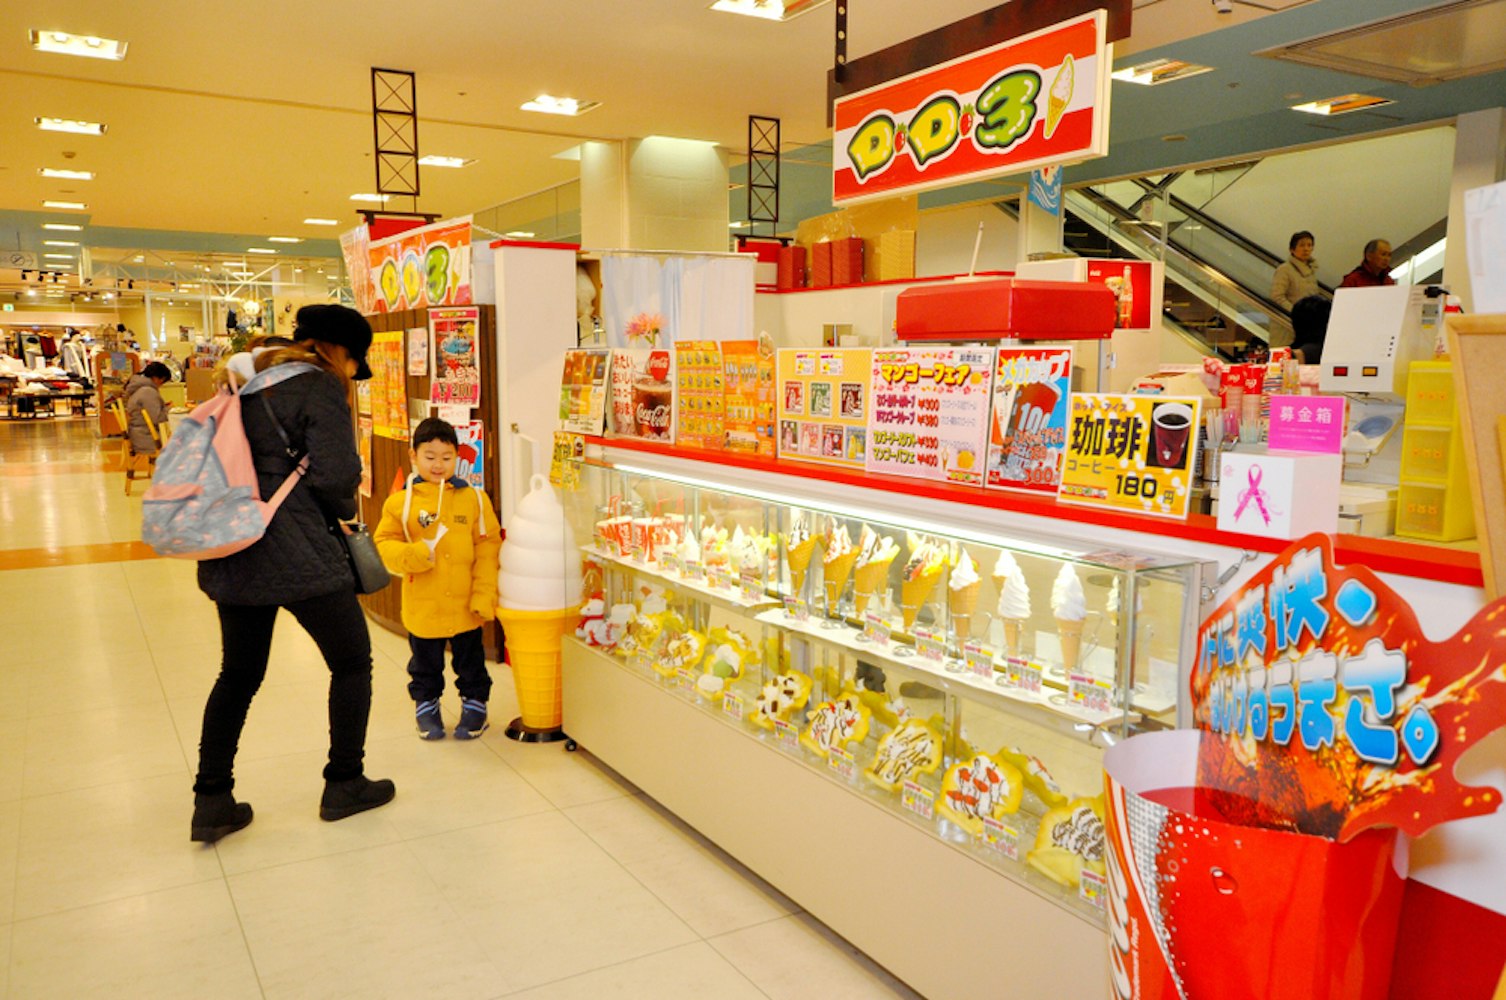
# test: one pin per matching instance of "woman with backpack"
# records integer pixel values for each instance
(300, 565)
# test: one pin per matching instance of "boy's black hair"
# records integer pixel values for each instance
(434, 429)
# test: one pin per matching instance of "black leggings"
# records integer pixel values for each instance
(338, 627)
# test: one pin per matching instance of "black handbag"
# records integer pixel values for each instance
(365, 562)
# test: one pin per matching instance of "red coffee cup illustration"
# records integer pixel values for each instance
(1171, 423)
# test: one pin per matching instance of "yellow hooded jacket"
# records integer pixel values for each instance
(456, 590)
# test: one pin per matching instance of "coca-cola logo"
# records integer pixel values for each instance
(658, 365)
(1119, 931)
(656, 417)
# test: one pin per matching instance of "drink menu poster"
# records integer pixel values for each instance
(389, 385)
(1027, 432)
(823, 401)
(583, 392)
(699, 392)
(750, 412)
(929, 417)
(641, 400)
(454, 335)
(1133, 453)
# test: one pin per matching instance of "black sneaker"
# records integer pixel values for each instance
(346, 798)
(430, 725)
(214, 816)
(472, 719)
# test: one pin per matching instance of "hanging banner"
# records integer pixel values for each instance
(823, 404)
(929, 418)
(1045, 189)
(749, 411)
(1028, 429)
(454, 338)
(355, 247)
(424, 267)
(699, 395)
(471, 464)
(1039, 99)
(389, 387)
(1133, 453)
(583, 392)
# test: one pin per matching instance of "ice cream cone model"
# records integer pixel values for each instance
(834, 723)
(840, 557)
(799, 548)
(1070, 606)
(927, 559)
(979, 786)
(871, 575)
(962, 593)
(1059, 96)
(1037, 778)
(1014, 600)
(1071, 840)
(912, 749)
(781, 698)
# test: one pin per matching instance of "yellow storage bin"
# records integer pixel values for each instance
(1429, 453)
(1434, 513)
(1430, 393)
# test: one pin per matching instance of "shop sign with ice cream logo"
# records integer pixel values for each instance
(1133, 453)
(1032, 101)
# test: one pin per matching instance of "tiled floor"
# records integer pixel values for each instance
(500, 870)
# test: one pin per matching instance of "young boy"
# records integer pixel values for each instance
(443, 537)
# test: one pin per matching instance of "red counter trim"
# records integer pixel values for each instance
(1414, 559)
(534, 245)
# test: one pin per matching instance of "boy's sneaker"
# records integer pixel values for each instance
(472, 719)
(430, 725)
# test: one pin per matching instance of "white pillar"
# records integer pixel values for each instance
(1040, 231)
(1479, 159)
(657, 193)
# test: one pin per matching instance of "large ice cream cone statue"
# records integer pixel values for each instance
(1059, 96)
(538, 594)
(927, 559)
(1070, 606)
(962, 593)
(1014, 600)
(875, 556)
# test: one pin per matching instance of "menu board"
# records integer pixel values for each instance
(750, 411)
(583, 392)
(389, 384)
(823, 404)
(699, 404)
(1028, 430)
(1132, 453)
(454, 339)
(642, 397)
(929, 416)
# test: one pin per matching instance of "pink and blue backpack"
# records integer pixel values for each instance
(204, 502)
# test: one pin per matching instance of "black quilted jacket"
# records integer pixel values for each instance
(298, 557)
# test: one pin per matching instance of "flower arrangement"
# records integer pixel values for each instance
(645, 327)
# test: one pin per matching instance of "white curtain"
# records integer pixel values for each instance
(688, 298)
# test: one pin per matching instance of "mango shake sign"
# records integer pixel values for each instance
(1039, 99)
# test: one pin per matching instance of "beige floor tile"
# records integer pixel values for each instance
(5, 934)
(564, 778)
(449, 785)
(91, 683)
(691, 972)
(796, 957)
(10, 839)
(544, 901)
(14, 681)
(369, 923)
(184, 942)
(108, 842)
(703, 885)
(12, 760)
(186, 669)
(125, 743)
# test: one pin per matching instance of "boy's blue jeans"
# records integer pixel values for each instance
(426, 666)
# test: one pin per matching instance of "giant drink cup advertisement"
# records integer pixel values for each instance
(1262, 855)
(1028, 430)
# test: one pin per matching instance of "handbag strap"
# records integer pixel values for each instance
(299, 470)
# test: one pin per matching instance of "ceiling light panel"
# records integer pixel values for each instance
(285, 239)
(64, 227)
(76, 206)
(60, 243)
(88, 46)
(72, 125)
(1159, 71)
(568, 106)
(320, 222)
(379, 199)
(67, 175)
(768, 10)
(1342, 105)
(444, 161)
(260, 250)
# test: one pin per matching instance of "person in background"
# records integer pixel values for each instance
(1310, 328)
(1297, 277)
(143, 396)
(1374, 271)
(243, 365)
(300, 565)
(443, 537)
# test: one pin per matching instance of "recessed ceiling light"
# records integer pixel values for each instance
(518, 234)
(108, 296)
(140, 258)
(188, 285)
(1342, 105)
(737, 225)
(67, 175)
(545, 104)
(77, 205)
(377, 198)
(91, 46)
(1159, 71)
(58, 256)
(768, 10)
(284, 239)
(260, 250)
(60, 243)
(444, 161)
(66, 227)
(320, 222)
(71, 125)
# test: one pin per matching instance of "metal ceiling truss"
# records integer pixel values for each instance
(394, 126)
(763, 172)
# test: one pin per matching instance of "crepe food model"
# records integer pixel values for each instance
(875, 555)
(836, 723)
(927, 560)
(911, 749)
(980, 786)
(1070, 841)
(783, 696)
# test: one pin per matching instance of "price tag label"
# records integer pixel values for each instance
(732, 706)
(752, 587)
(722, 579)
(1002, 837)
(797, 608)
(918, 800)
(930, 644)
(669, 562)
(1021, 674)
(786, 735)
(1093, 888)
(685, 679)
(875, 629)
(842, 763)
(641, 660)
(692, 569)
(1090, 693)
(980, 660)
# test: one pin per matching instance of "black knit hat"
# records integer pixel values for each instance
(338, 325)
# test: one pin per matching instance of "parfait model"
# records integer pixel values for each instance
(1014, 600)
(875, 556)
(1070, 606)
(962, 593)
(927, 560)
(799, 548)
(837, 566)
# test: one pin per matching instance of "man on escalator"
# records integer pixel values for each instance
(1374, 271)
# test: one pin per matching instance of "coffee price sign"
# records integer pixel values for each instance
(1131, 453)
